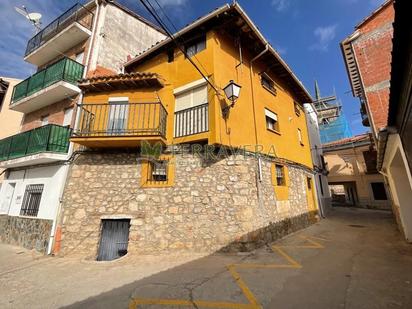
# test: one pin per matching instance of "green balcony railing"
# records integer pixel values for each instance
(65, 69)
(48, 138)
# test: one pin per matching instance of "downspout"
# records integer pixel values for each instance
(259, 178)
(54, 242)
(252, 88)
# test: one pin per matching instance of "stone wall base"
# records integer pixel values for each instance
(271, 233)
(30, 233)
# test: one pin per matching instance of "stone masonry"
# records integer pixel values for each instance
(31, 233)
(212, 205)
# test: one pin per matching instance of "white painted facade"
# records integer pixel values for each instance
(116, 33)
(396, 169)
(321, 180)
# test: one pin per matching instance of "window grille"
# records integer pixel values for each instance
(159, 171)
(31, 200)
(280, 175)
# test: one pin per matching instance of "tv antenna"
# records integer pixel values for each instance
(34, 18)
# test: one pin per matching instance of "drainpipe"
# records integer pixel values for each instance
(259, 178)
(252, 88)
(55, 236)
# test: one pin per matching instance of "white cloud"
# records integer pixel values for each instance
(280, 5)
(324, 36)
(172, 2)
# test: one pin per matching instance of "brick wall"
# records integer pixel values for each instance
(373, 52)
(55, 113)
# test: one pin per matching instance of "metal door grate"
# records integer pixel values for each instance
(114, 239)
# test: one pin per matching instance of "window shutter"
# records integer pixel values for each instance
(270, 114)
(191, 98)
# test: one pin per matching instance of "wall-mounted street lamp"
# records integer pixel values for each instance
(232, 92)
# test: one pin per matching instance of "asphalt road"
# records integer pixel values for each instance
(352, 259)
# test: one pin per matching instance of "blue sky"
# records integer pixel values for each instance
(305, 32)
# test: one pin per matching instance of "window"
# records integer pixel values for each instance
(44, 120)
(195, 46)
(268, 83)
(297, 109)
(68, 113)
(300, 136)
(272, 123)
(191, 111)
(320, 184)
(309, 183)
(379, 192)
(79, 57)
(280, 175)
(31, 200)
(158, 170)
(118, 112)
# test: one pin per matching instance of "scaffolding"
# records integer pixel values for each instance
(333, 124)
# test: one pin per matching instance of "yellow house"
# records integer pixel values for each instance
(228, 171)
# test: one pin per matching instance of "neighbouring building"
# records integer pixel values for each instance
(226, 175)
(319, 114)
(10, 121)
(367, 55)
(79, 43)
(395, 142)
(353, 178)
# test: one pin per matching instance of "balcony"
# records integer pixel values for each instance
(120, 124)
(191, 121)
(68, 30)
(45, 144)
(50, 85)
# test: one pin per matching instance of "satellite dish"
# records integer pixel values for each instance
(33, 17)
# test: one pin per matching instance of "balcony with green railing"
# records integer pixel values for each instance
(47, 86)
(50, 138)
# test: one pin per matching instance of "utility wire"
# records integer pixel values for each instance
(176, 30)
(170, 35)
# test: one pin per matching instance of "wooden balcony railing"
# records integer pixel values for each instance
(48, 138)
(65, 69)
(192, 120)
(77, 13)
(122, 119)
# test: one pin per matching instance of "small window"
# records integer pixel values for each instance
(297, 109)
(195, 46)
(379, 192)
(80, 57)
(268, 84)
(309, 183)
(170, 55)
(280, 175)
(31, 200)
(158, 171)
(300, 136)
(321, 184)
(68, 114)
(272, 123)
(44, 120)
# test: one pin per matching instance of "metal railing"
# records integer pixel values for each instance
(65, 69)
(192, 120)
(122, 119)
(77, 13)
(48, 138)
